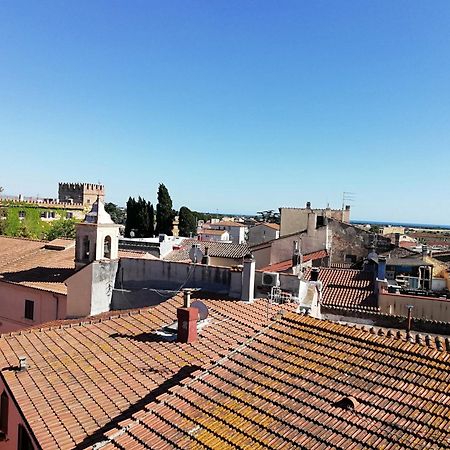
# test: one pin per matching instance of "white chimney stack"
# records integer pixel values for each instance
(248, 279)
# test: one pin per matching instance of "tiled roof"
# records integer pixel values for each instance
(346, 287)
(86, 376)
(213, 232)
(12, 249)
(304, 383)
(401, 252)
(274, 226)
(226, 223)
(286, 265)
(216, 249)
(30, 263)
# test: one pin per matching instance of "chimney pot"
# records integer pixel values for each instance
(315, 274)
(23, 363)
(308, 205)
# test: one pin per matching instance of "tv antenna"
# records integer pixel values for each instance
(347, 197)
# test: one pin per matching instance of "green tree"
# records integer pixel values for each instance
(187, 222)
(117, 214)
(140, 218)
(62, 229)
(164, 212)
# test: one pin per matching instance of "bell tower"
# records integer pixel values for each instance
(97, 237)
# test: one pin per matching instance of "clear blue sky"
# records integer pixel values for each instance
(236, 106)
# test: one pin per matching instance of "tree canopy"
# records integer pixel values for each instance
(164, 212)
(62, 228)
(117, 214)
(187, 225)
(140, 218)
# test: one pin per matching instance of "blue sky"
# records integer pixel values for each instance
(236, 106)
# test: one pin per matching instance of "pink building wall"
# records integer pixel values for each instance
(48, 306)
(14, 420)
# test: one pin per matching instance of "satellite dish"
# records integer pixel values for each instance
(196, 254)
(202, 309)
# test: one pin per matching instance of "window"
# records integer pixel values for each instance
(24, 440)
(69, 214)
(4, 413)
(29, 309)
(107, 247)
(43, 213)
(21, 214)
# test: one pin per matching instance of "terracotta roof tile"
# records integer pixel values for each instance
(216, 249)
(86, 376)
(305, 383)
(347, 288)
(226, 223)
(287, 265)
(31, 264)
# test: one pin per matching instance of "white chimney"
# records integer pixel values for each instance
(248, 279)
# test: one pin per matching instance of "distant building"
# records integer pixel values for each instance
(74, 199)
(296, 219)
(235, 230)
(84, 193)
(263, 232)
(211, 235)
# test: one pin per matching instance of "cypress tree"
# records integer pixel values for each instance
(187, 222)
(131, 221)
(140, 218)
(164, 212)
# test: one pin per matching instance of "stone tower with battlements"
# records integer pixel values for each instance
(84, 193)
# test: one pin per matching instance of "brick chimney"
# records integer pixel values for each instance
(187, 320)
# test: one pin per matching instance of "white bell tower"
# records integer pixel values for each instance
(97, 237)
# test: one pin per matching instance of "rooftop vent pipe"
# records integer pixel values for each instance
(187, 298)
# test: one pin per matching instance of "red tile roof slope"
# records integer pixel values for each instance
(347, 288)
(29, 263)
(12, 249)
(225, 223)
(216, 249)
(286, 265)
(304, 383)
(84, 377)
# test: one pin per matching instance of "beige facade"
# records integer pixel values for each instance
(423, 307)
(392, 230)
(294, 220)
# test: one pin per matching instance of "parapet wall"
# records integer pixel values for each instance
(143, 282)
(40, 203)
(378, 319)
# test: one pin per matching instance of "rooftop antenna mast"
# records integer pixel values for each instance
(347, 197)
